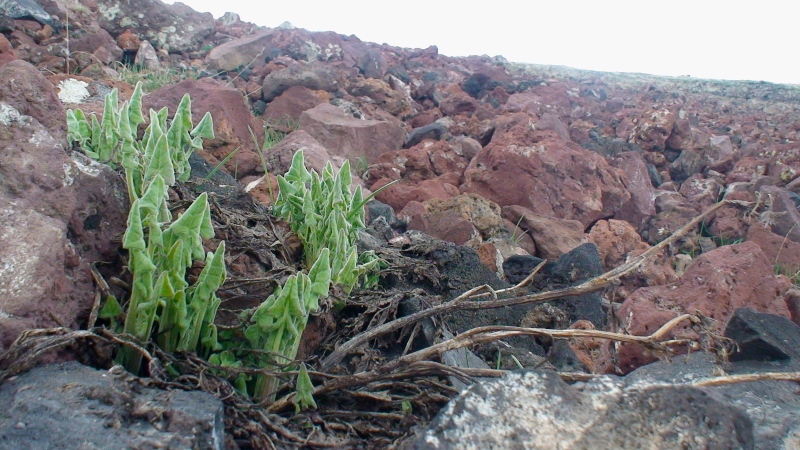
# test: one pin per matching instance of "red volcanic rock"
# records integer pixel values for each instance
(552, 122)
(637, 180)
(701, 192)
(100, 44)
(747, 169)
(425, 118)
(413, 164)
(426, 160)
(383, 95)
(400, 194)
(232, 122)
(684, 136)
(617, 242)
(288, 106)
(6, 51)
(784, 253)
(61, 213)
(445, 225)
(23, 87)
(352, 138)
(553, 237)
(720, 149)
(652, 129)
(128, 41)
(445, 161)
(716, 284)
(728, 222)
(279, 158)
(457, 102)
(540, 99)
(780, 212)
(314, 76)
(464, 219)
(517, 128)
(551, 177)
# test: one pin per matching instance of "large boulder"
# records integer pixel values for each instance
(298, 44)
(314, 76)
(536, 410)
(74, 406)
(25, 89)
(60, 214)
(552, 178)
(284, 110)
(171, 27)
(351, 138)
(637, 180)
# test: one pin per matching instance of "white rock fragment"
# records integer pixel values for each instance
(73, 91)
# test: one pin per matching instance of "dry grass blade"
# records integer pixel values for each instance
(465, 302)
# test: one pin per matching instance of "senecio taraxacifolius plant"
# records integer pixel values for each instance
(325, 215)
(321, 210)
(160, 250)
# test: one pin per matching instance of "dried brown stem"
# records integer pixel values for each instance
(483, 335)
(461, 303)
(748, 377)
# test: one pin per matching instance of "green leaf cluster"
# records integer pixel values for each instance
(326, 215)
(164, 148)
(323, 212)
(160, 250)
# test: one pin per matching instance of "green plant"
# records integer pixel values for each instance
(222, 163)
(515, 237)
(325, 215)
(277, 325)
(323, 212)
(271, 138)
(160, 250)
(361, 166)
(792, 275)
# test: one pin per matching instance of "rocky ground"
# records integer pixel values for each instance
(499, 169)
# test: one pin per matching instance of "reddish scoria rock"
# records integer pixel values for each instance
(551, 177)
(715, 285)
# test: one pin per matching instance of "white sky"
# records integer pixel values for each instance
(733, 39)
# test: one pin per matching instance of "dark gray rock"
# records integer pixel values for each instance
(763, 337)
(314, 76)
(578, 265)
(537, 410)
(517, 267)
(372, 63)
(688, 163)
(26, 9)
(434, 131)
(63, 406)
(376, 209)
